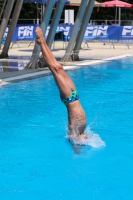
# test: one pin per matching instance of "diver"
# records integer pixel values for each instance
(67, 89)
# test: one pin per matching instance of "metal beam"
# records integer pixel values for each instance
(81, 33)
(55, 22)
(53, 27)
(4, 3)
(67, 56)
(14, 20)
(46, 17)
(5, 19)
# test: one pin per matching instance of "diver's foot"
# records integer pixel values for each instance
(83, 136)
(39, 35)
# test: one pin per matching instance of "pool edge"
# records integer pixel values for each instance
(45, 72)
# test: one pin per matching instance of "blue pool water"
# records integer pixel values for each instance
(36, 160)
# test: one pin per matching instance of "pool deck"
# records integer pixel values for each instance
(19, 56)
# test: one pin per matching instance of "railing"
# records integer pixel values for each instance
(93, 22)
(31, 21)
(111, 22)
(109, 34)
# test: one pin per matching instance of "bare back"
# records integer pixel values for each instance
(76, 118)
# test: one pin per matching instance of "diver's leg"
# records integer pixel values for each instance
(63, 81)
(67, 78)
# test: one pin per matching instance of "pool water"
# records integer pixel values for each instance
(37, 162)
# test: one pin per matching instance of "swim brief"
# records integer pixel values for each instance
(74, 97)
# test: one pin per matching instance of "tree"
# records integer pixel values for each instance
(29, 12)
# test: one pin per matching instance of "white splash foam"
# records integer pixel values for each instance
(93, 140)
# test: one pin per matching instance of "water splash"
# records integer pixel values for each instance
(93, 140)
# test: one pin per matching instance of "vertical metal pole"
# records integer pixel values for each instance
(6, 18)
(41, 12)
(115, 14)
(119, 16)
(53, 26)
(4, 3)
(37, 10)
(67, 56)
(35, 54)
(43, 6)
(55, 21)
(85, 21)
(14, 20)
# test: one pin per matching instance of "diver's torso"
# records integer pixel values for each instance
(76, 117)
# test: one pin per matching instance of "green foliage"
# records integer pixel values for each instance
(29, 12)
(109, 13)
(98, 13)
